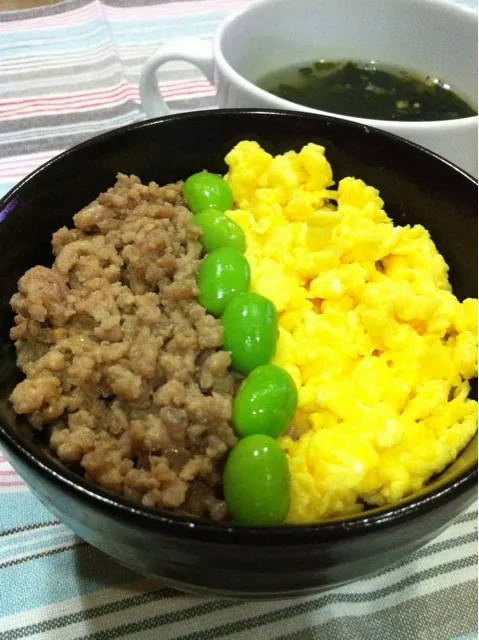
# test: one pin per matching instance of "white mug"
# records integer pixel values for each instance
(431, 37)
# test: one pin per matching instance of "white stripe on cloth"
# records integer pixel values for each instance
(15, 487)
(91, 126)
(231, 613)
(46, 549)
(42, 85)
(16, 550)
(6, 537)
(44, 62)
(318, 618)
(426, 567)
(17, 167)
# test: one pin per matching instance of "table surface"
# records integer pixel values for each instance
(69, 71)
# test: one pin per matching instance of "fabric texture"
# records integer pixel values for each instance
(70, 71)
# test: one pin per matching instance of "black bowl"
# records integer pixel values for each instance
(200, 556)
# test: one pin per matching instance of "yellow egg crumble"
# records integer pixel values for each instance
(379, 347)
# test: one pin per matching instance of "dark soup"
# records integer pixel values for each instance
(367, 90)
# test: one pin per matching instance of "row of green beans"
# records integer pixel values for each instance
(256, 475)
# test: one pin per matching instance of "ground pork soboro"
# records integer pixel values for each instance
(121, 362)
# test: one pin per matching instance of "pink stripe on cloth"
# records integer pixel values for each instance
(97, 8)
(171, 88)
(18, 483)
(9, 478)
(98, 99)
(17, 167)
(72, 102)
(27, 160)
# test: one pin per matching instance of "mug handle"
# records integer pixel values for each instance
(193, 50)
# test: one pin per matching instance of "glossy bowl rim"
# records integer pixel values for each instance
(173, 525)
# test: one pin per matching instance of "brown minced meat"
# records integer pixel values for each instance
(124, 368)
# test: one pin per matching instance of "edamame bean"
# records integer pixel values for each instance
(256, 481)
(207, 191)
(250, 323)
(265, 402)
(223, 274)
(219, 231)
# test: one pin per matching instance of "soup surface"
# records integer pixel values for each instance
(367, 90)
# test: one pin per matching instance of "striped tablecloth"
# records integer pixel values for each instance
(68, 72)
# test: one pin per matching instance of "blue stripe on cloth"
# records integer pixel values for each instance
(22, 510)
(33, 542)
(132, 27)
(90, 38)
(93, 38)
(38, 36)
(81, 36)
(79, 571)
(158, 33)
(5, 187)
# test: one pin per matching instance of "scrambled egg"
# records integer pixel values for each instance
(379, 347)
